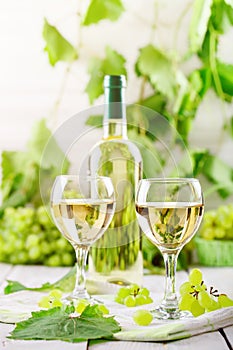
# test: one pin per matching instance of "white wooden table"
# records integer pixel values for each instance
(221, 278)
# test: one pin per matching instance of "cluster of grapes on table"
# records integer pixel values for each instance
(218, 223)
(196, 298)
(28, 236)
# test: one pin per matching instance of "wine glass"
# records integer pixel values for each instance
(82, 209)
(169, 211)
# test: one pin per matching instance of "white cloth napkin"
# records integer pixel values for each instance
(18, 306)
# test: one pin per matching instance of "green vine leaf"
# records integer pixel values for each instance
(199, 23)
(103, 9)
(225, 72)
(220, 174)
(113, 63)
(229, 2)
(59, 324)
(158, 68)
(222, 16)
(57, 47)
(229, 126)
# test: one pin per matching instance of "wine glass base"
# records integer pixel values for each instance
(169, 314)
(75, 296)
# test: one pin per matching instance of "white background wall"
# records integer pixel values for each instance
(30, 87)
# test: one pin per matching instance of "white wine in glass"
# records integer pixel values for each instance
(82, 209)
(169, 211)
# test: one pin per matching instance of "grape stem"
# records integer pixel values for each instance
(214, 292)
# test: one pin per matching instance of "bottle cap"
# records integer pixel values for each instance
(114, 81)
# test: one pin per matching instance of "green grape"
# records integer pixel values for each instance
(103, 309)
(61, 243)
(144, 291)
(197, 309)
(119, 300)
(123, 292)
(142, 317)
(185, 302)
(67, 259)
(34, 253)
(195, 277)
(55, 293)
(81, 305)
(219, 232)
(53, 260)
(186, 288)
(45, 248)
(149, 300)
(134, 289)
(207, 233)
(56, 302)
(130, 301)
(205, 299)
(140, 299)
(214, 306)
(224, 300)
(45, 302)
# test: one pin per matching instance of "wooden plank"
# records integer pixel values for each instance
(229, 334)
(4, 271)
(207, 341)
(124, 345)
(213, 341)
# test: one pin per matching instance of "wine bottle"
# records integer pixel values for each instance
(117, 256)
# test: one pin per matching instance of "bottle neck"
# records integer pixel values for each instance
(115, 124)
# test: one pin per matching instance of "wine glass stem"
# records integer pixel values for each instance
(170, 302)
(80, 285)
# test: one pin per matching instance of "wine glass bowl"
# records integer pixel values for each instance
(82, 209)
(169, 211)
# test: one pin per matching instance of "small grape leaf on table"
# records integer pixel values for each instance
(65, 284)
(59, 324)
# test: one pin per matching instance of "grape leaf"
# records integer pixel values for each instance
(221, 16)
(229, 2)
(225, 72)
(95, 120)
(41, 136)
(113, 63)
(219, 173)
(152, 161)
(58, 48)
(199, 23)
(103, 9)
(59, 324)
(156, 102)
(231, 127)
(19, 186)
(65, 284)
(158, 68)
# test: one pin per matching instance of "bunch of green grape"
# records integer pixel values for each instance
(218, 224)
(54, 299)
(194, 296)
(28, 236)
(133, 295)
